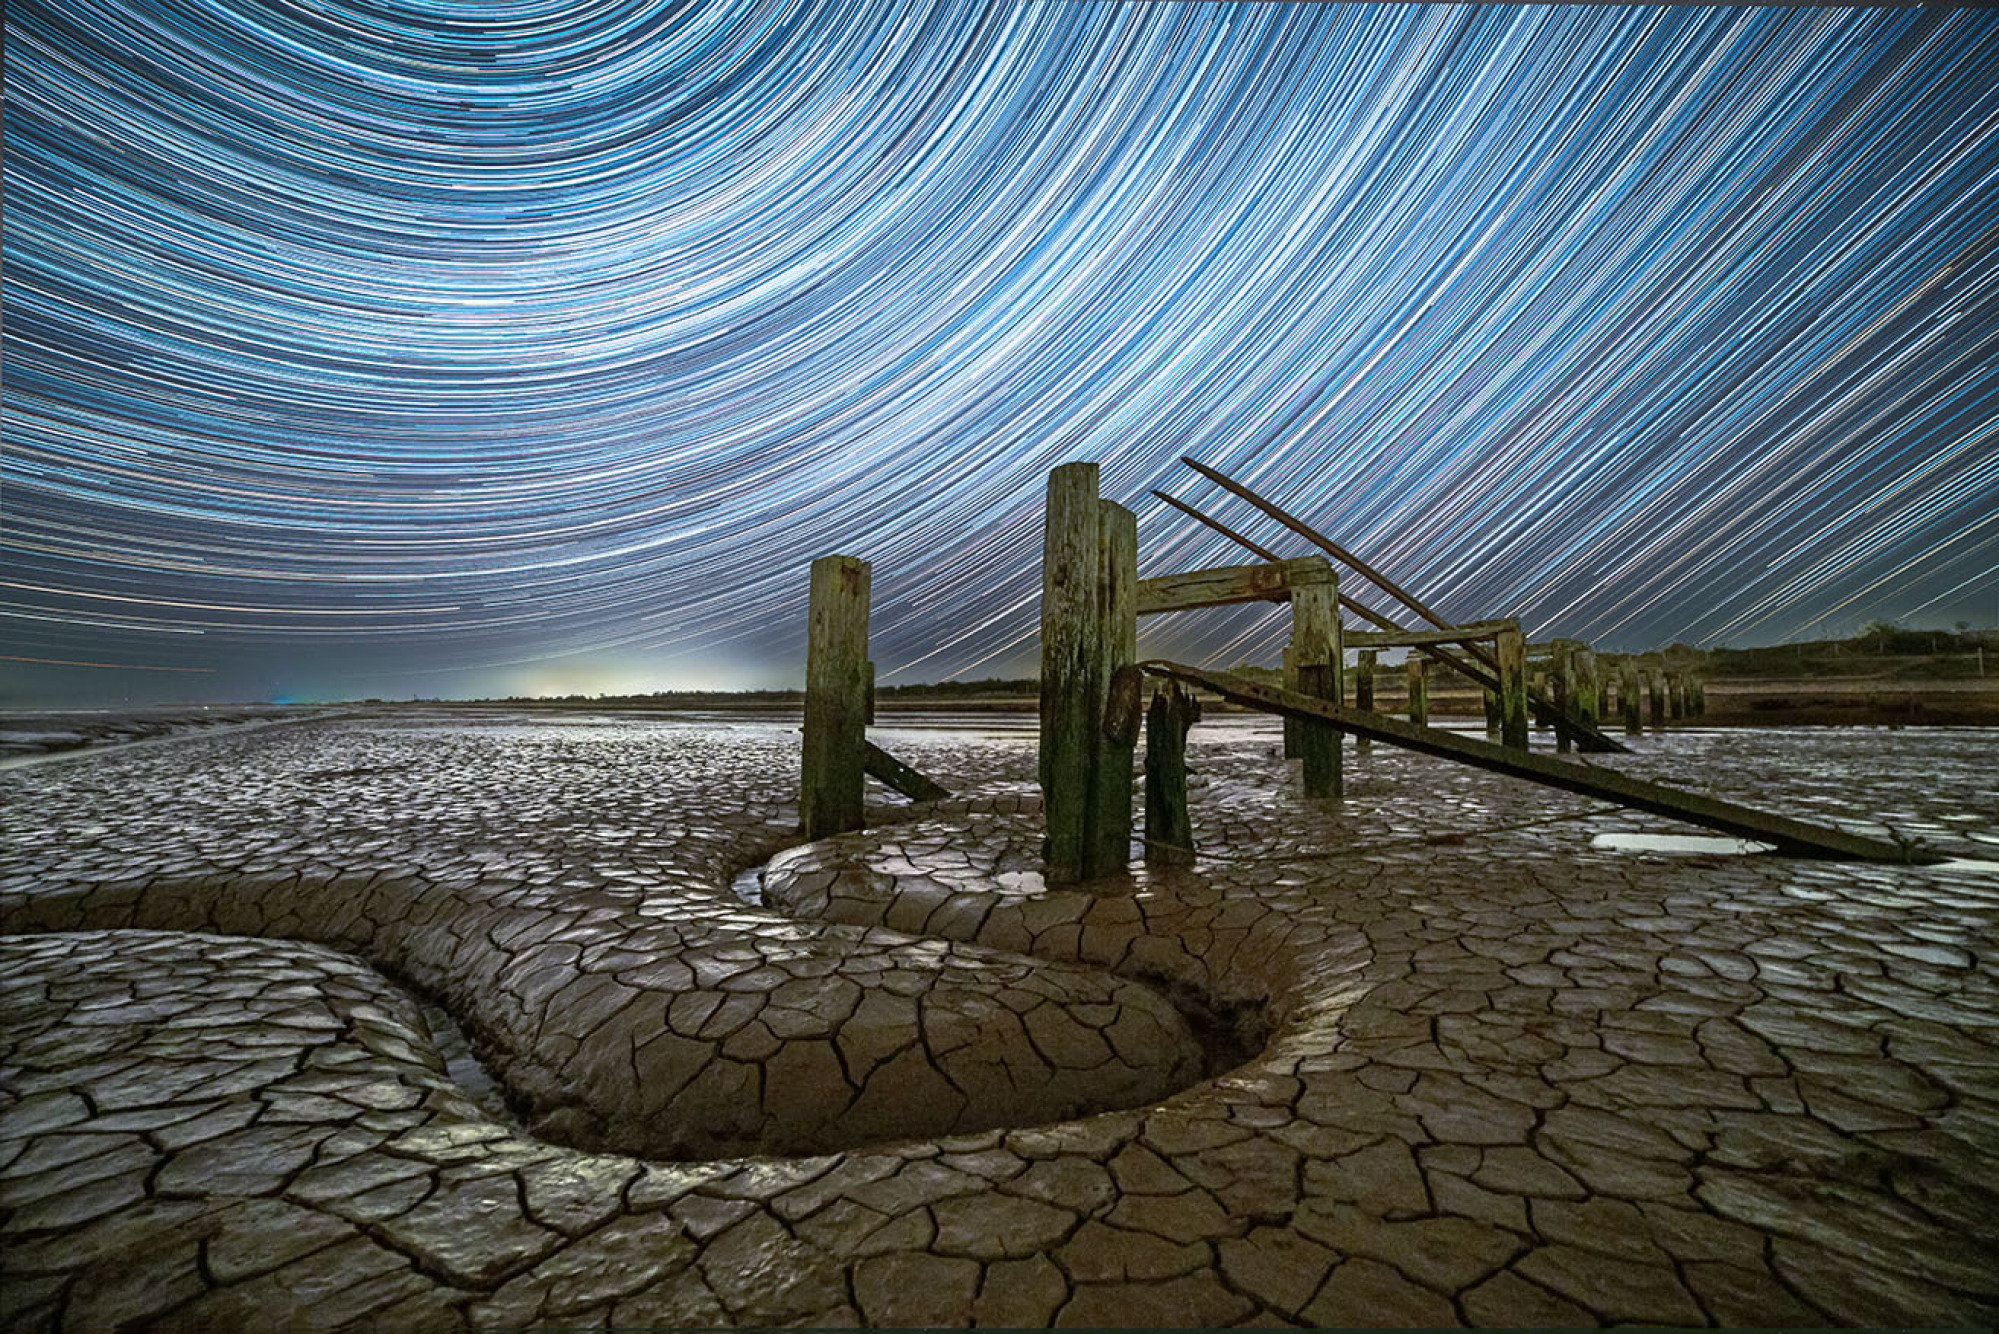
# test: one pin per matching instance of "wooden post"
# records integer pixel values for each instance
(1088, 629)
(1073, 678)
(1363, 690)
(1700, 697)
(1655, 686)
(1490, 698)
(1169, 834)
(1315, 644)
(1291, 725)
(1675, 699)
(838, 683)
(1562, 676)
(1589, 686)
(1417, 671)
(1627, 697)
(1511, 650)
(1110, 823)
(1544, 714)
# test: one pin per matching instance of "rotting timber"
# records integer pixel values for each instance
(1796, 837)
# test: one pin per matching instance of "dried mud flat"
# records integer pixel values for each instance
(1429, 1055)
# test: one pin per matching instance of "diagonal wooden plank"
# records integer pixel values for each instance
(1797, 837)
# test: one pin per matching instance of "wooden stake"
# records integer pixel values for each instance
(1291, 725)
(1363, 691)
(1511, 650)
(1110, 822)
(1169, 833)
(1562, 672)
(838, 682)
(1315, 646)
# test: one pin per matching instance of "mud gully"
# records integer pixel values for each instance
(428, 1022)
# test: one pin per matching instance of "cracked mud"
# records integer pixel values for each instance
(1424, 1057)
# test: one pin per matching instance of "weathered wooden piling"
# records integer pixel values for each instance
(1316, 649)
(1291, 725)
(1627, 697)
(1562, 680)
(1675, 698)
(1416, 670)
(1089, 547)
(839, 682)
(1363, 690)
(1510, 648)
(1490, 699)
(1169, 833)
(1589, 686)
(1655, 687)
(1117, 549)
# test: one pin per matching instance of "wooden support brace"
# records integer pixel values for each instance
(1788, 835)
(1471, 632)
(1221, 586)
(910, 782)
(838, 683)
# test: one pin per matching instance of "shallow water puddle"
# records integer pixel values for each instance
(1690, 844)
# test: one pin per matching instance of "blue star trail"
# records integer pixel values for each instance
(412, 346)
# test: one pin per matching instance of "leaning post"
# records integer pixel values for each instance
(1363, 691)
(1169, 833)
(839, 683)
(1510, 648)
(1315, 643)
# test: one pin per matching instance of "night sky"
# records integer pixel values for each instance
(460, 347)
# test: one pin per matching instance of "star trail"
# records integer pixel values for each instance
(451, 347)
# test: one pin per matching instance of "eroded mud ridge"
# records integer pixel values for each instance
(1461, 1067)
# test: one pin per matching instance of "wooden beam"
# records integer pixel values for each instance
(1221, 586)
(911, 783)
(1360, 609)
(838, 684)
(1793, 836)
(1469, 632)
